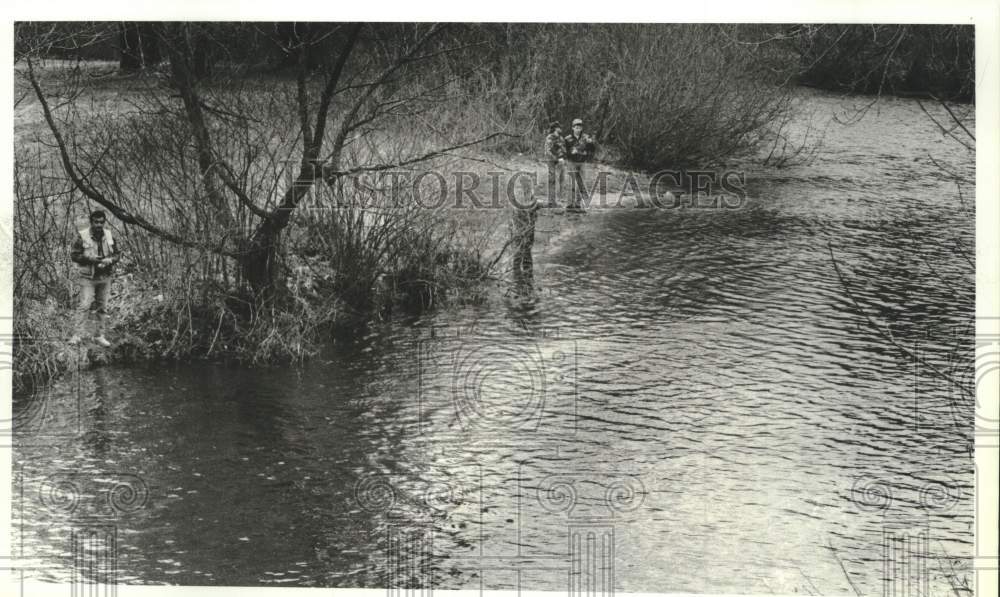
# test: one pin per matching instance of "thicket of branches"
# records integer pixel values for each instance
(923, 60)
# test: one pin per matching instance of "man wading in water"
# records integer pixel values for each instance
(95, 254)
(555, 159)
(579, 150)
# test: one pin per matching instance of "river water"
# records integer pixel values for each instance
(689, 401)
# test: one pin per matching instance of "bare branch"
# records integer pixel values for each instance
(348, 121)
(887, 336)
(303, 101)
(330, 175)
(944, 130)
(93, 194)
(957, 120)
(313, 149)
(842, 567)
(185, 84)
(226, 174)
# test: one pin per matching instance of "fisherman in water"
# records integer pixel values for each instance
(555, 158)
(95, 254)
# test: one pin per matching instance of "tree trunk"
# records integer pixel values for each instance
(201, 59)
(130, 47)
(150, 45)
(260, 261)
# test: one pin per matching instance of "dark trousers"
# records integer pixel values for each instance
(556, 182)
(578, 190)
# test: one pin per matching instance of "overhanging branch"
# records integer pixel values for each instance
(331, 175)
(887, 336)
(96, 196)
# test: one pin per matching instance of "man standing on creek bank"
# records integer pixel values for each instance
(579, 150)
(95, 253)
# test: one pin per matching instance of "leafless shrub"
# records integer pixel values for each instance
(664, 95)
(786, 143)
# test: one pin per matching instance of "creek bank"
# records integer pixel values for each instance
(148, 324)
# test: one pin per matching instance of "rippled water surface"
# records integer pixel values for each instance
(690, 401)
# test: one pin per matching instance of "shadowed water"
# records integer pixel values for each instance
(689, 401)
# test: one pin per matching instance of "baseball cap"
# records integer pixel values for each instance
(577, 121)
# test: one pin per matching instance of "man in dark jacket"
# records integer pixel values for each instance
(580, 149)
(95, 253)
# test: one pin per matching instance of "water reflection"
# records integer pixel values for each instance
(98, 438)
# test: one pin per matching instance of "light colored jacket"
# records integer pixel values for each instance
(86, 253)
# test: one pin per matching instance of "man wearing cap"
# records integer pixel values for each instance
(579, 150)
(95, 253)
(555, 158)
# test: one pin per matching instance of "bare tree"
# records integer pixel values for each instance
(248, 156)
